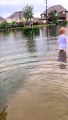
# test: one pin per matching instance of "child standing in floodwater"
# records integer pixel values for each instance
(62, 47)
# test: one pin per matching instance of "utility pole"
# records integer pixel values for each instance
(46, 11)
(20, 16)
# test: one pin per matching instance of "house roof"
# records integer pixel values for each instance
(58, 8)
(1, 19)
(18, 14)
(37, 18)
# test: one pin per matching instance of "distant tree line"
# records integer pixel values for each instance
(28, 15)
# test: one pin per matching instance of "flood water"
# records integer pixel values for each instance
(32, 86)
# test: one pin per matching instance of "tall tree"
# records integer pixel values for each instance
(54, 16)
(28, 12)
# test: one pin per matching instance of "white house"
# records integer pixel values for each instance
(16, 17)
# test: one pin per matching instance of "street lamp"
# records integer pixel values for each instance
(46, 11)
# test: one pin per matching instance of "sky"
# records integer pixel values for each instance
(8, 7)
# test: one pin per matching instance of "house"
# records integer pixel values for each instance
(16, 17)
(37, 19)
(1, 19)
(62, 13)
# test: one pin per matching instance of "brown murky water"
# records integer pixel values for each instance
(44, 95)
(33, 87)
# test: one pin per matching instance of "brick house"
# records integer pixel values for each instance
(16, 17)
(62, 13)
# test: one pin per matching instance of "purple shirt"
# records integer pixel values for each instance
(62, 42)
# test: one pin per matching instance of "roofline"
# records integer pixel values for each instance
(13, 13)
(53, 6)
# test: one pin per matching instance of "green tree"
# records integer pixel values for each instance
(14, 24)
(28, 12)
(4, 25)
(54, 16)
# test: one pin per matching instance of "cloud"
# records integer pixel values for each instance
(9, 2)
(55, 2)
(7, 7)
(19, 2)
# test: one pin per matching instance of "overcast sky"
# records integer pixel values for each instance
(7, 7)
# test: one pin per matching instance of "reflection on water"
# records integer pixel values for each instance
(3, 114)
(52, 31)
(62, 66)
(30, 42)
(22, 58)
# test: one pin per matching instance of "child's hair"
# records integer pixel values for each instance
(62, 30)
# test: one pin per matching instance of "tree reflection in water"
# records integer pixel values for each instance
(31, 45)
(53, 31)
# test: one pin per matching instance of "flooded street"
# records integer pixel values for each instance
(32, 85)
